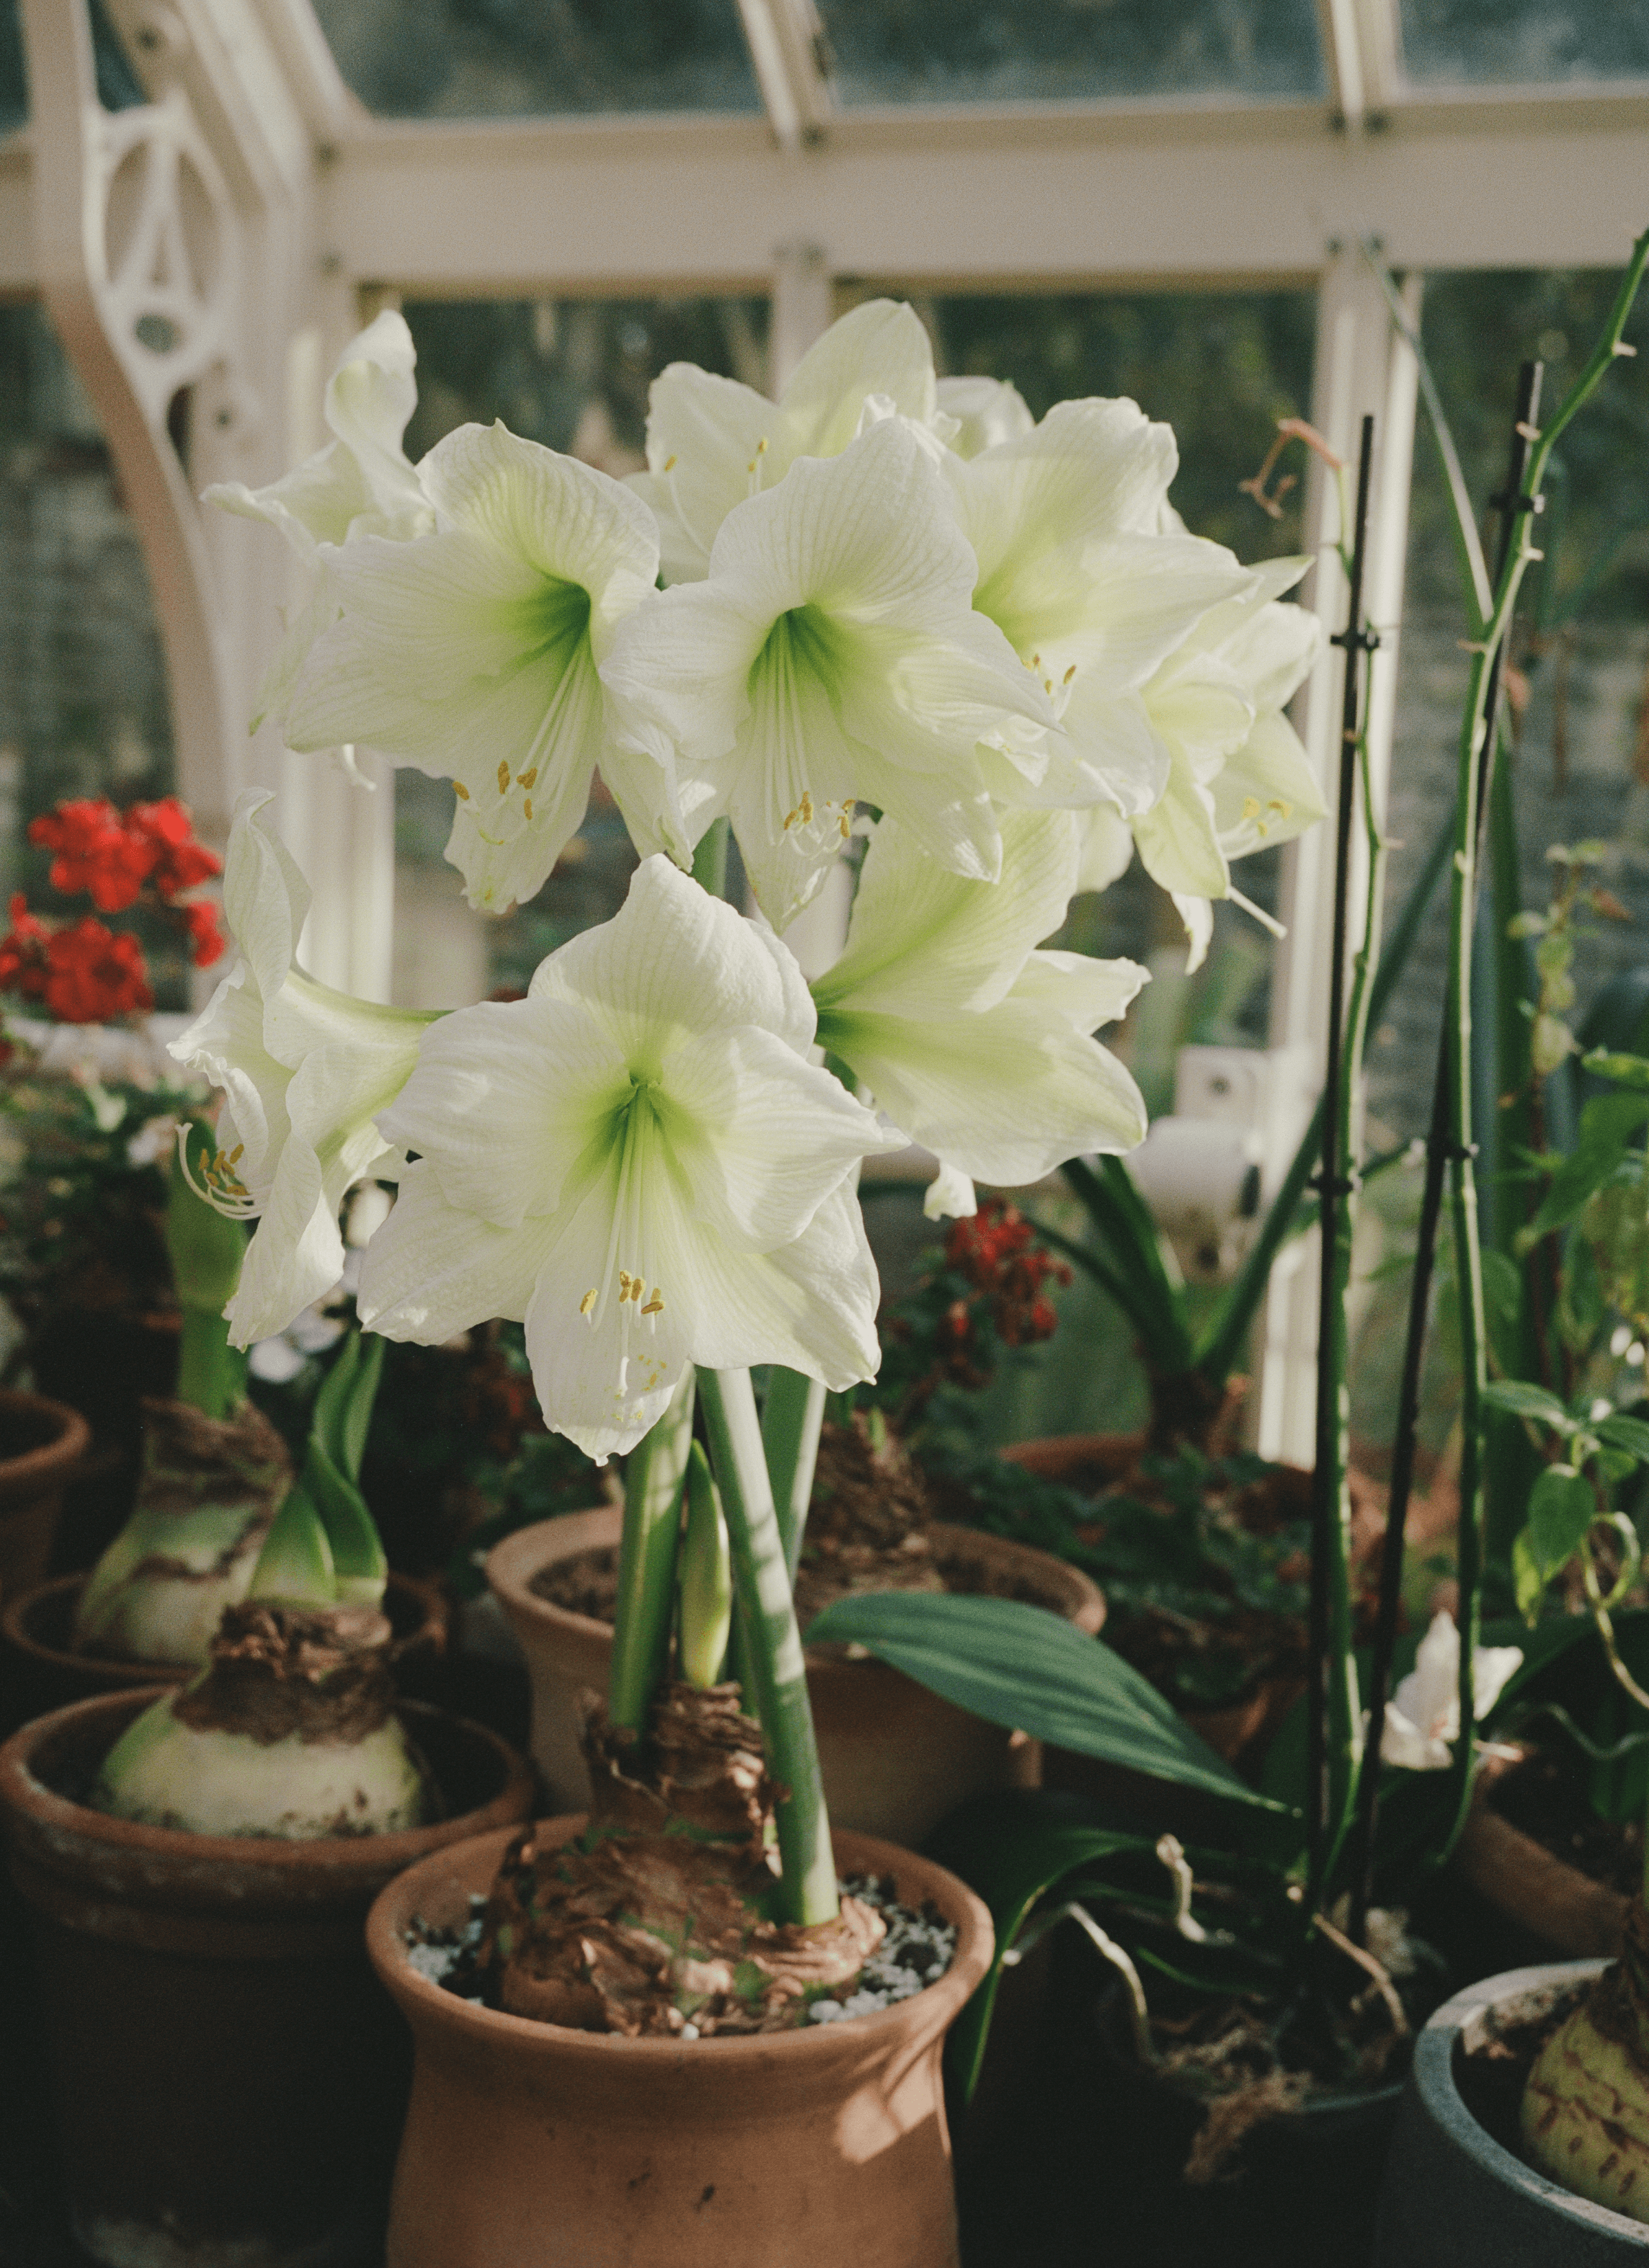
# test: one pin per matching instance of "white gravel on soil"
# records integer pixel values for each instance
(917, 1949)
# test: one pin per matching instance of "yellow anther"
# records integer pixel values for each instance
(1047, 685)
(623, 1283)
(670, 464)
(1069, 675)
(528, 779)
(460, 790)
(236, 1154)
(526, 806)
(504, 777)
(750, 468)
(807, 809)
(1250, 806)
(846, 825)
(655, 1305)
(791, 817)
(1281, 808)
(761, 446)
(1036, 661)
(588, 1300)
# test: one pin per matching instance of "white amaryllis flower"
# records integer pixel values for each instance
(711, 442)
(303, 1069)
(640, 1163)
(359, 485)
(986, 411)
(1238, 779)
(1423, 1715)
(471, 652)
(832, 655)
(973, 1043)
(1075, 569)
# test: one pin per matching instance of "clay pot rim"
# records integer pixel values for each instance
(1434, 2082)
(398, 1900)
(32, 1471)
(512, 1563)
(22, 1794)
(13, 1624)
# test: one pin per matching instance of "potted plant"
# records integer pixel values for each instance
(642, 1163)
(197, 1861)
(1294, 1917)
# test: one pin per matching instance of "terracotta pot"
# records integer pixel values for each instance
(42, 1444)
(529, 2146)
(895, 1758)
(40, 1668)
(1452, 2193)
(228, 2078)
(1559, 1907)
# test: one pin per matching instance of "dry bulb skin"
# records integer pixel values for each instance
(646, 1930)
(209, 1492)
(290, 1731)
(1586, 2107)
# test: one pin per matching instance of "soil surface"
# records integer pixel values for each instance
(1546, 1797)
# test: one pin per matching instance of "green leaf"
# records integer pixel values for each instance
(1012, 1859)
(1561, 1508)
(1624, 1432)
(1529, 1578)
(1629, 1070)
(1524, 1400)
(1607, 1125)
(1143, 1289)
(296, 1561)
(357, 1555)
(1023, 1667)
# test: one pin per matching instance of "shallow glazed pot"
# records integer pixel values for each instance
(228, 2077)
(896, 1758)
(529, 2146)
(42, 1444)
(1452, 2195)
(40, 1669)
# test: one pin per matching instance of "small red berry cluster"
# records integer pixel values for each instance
(83, 972)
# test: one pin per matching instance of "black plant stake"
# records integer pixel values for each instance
(1330, 1731)
(1509, 503)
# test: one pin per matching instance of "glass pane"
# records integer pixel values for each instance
(1581, 765)
(1525, 41)
(517, 58)
(573, 374)
(117, 83)
(1072, 50)
(83, 687)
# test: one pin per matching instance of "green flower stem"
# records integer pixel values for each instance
(706, 1577)
(791, 1417)
(777, 1677)
(211, 1374)
(709, 860)
(654, 1479)
(1333, 1725)
(1462, 903)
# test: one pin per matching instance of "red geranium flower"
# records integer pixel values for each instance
(94, 975)
(207, 941)
(166, 834)
(95, 852)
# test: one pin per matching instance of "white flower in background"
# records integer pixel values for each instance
(1091, 595)
(303, 1069)
(471, 652)
(986, 411)
(1238, 779)
(711, 442)
(971, 1044)
(640, 1163)
(359, 485)
(1423, 1715)
(833, 653)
